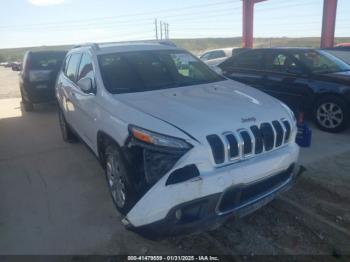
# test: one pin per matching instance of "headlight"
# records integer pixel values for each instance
(156, 139)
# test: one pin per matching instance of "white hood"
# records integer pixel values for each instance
(207, 109)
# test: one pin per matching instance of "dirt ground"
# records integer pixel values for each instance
(8, 83)
(53, 199)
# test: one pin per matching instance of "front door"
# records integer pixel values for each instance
(84, 102)
(285, 80)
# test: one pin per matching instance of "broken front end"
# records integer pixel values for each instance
(183, 189)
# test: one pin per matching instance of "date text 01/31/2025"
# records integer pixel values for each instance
(173, 258)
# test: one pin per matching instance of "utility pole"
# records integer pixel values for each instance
(156, 27)
(161, 30)
(166, 30)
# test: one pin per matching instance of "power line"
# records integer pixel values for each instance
(132, 22)
(193, 15)
(129, 15)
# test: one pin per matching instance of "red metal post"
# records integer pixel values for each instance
(248, 22)
(328, 23)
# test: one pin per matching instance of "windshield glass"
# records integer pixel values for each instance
(321, 62)
(46, 61)
(153, 70)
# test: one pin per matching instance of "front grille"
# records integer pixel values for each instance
(233, 144)
(217, 148)
(279, 132)
(288, 128)
(242, 143)
(247, 142)
(267, 135)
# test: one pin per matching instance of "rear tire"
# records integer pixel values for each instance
(331, 114)
(28, 106)
(67, 133)
(118, 179)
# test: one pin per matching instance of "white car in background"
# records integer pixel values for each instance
(216, 56)
(183, 148)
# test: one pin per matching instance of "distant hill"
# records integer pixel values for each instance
(200, 44)
(195, 45)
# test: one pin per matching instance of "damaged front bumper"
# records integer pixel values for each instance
(210, 212)
(207, 200)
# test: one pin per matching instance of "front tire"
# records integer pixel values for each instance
(331, 114)
(119, 179)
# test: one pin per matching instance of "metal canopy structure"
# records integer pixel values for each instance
(328, 22)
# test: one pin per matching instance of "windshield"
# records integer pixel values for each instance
(153, 70)
(46, 61)
(321, 62)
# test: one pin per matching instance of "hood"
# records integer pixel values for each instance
(206, 109)
(339, 77)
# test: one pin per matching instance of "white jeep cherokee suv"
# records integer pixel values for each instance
(183, 148)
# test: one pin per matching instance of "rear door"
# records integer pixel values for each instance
(246, 67)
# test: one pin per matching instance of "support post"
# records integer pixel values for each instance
(328, 23)
(248, 21)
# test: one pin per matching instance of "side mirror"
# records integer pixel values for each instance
(86, 85)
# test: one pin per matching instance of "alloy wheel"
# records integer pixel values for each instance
(115, 180)
(330, 115)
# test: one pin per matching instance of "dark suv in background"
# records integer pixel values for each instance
(307, 80)
(38, 77)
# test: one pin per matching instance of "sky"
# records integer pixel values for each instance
(55, 22)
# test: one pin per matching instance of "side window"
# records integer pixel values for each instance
(85, 69)
(247, 60)
(278, 62)
(206, 56)
(73, 66)
(213, 55)
(217, 54)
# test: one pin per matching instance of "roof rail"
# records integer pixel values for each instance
(93, 45)
(166, 42)
(161, 42)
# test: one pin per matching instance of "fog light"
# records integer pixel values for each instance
(178, 214)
